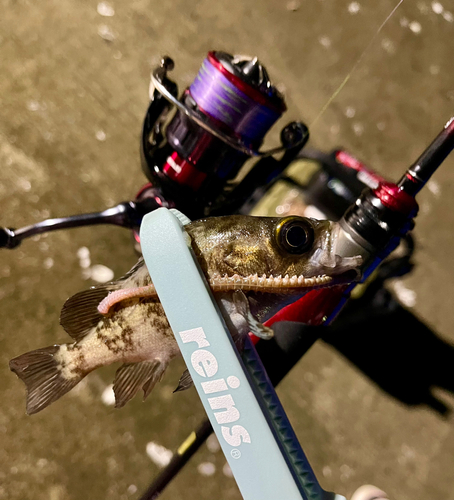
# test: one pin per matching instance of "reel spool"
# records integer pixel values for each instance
(220, 122)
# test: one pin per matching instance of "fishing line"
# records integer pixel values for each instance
(357, 62)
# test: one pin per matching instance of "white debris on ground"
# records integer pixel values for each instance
(100, 135)
(83, 255)
(24, 184)
(206, 468)
(326, 471)
(434, 188)
(350, 112)
(100, 273)
(227, 471)
(438, 8)
(388, 45)
(97, 272)
(160, 455)
(48, 263)
(413, 26)
(105, 9)
(108, 396)
(325, 41)
(346, 472)
(358, 128)
(132, 489)
(354, 7)
(213, 444)
(106, 33)
(405, 295)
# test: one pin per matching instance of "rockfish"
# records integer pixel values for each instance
(253, 265)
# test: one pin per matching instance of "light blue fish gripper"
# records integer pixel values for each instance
(244, 410)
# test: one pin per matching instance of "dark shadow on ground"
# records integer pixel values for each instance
(395, 349)
(392, 347)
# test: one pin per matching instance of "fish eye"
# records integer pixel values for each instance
(294, 235)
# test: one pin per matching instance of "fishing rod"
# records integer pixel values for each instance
(371, 227)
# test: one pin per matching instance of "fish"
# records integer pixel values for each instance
(254, 267)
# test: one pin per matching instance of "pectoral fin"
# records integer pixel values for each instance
(255, 327)
(185, 382)
(131, 377)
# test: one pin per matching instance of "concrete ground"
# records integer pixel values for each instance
(73, 92)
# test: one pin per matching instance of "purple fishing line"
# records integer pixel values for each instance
(224, 101)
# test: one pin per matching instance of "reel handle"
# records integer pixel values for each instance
(128, 214)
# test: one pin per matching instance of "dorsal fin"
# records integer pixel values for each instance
(136, 269)
(80, 312)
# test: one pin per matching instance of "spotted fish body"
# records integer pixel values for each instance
(254, 266)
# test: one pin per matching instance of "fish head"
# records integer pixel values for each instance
(289, 253)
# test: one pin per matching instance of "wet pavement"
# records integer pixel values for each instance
(73, 91)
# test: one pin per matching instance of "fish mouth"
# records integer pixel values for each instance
(254, 283)
(280, 284)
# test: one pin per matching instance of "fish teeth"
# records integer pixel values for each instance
(256, 283)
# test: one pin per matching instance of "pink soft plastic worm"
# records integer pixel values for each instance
(123, 294)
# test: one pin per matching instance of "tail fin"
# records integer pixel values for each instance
(43, 376)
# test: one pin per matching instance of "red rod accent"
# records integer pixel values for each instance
(310, 309)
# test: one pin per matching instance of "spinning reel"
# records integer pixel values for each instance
(192, 158)
(220, 122)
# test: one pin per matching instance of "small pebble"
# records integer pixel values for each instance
(354, 8)
(105, 9)
(48, 263)
(388, 45)
(206, 468)
(108, 396)
(106, 33)
(326, 471)
(415, 27)
(358, 128)
(83, 255)
(160, 455)
(437, 7)
(227, 471)
(101, 274)
(132, 489)
(213, 444)
(101, 135)
(406, 296)
(325, 41)
(350, 112)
